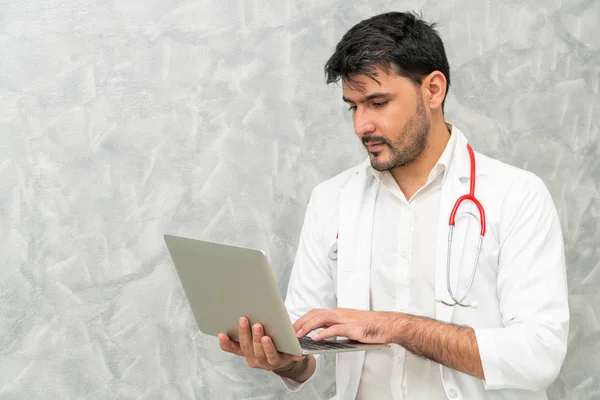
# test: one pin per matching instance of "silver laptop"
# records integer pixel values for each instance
(223, 283)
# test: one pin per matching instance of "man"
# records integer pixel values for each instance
(389, 218)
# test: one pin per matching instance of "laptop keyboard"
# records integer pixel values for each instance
(308, 344)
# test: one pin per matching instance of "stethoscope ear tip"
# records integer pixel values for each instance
(437, 299)
(474, 304)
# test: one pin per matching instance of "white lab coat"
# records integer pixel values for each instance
(522, 321)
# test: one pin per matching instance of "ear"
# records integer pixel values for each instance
(434, 90)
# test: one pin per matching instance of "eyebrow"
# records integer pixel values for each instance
(374, 96)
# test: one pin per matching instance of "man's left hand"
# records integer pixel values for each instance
(363, 326)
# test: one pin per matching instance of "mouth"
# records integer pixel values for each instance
(375, 147)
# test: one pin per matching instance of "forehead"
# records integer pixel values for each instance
(359, 85)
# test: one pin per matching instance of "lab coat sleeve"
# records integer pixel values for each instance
(311, 283)
(532, 289)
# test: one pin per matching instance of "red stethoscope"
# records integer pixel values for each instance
(456, 300)
(459, 300)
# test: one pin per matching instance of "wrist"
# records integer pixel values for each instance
(293, 366)
(298, 371)
(394, 326)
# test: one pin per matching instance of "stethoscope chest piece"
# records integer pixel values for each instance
(333, 252)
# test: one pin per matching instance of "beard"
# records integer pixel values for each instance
(408, 147)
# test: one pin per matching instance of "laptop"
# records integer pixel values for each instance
(223, 283)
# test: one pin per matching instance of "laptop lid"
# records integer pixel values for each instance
(223, 283)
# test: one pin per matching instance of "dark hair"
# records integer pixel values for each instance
(402, 41)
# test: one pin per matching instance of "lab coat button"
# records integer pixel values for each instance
(452, 393)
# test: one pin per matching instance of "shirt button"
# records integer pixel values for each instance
(452, 393)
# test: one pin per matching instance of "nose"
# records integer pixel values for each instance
(363, 123)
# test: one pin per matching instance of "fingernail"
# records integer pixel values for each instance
(299, 333)
(243, 322)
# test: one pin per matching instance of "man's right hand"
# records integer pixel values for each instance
(260, 352)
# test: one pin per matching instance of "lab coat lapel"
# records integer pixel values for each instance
(357, 204)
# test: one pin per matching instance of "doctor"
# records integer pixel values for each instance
(485, 317)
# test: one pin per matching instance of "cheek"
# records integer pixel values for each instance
(394, 125)
(355, 126)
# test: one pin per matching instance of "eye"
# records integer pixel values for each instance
(379, 104)
(352, 108)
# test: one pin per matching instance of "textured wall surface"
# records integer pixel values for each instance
(123, 120)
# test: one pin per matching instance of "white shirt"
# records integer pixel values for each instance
(402, 280)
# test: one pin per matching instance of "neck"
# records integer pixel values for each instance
(413, 176)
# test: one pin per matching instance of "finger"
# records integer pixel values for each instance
(274, 357)
(321, 320)
(302, 320)
(229, 345)
(257, 334)
(299, 325)
(271, 353)
(333, 331)
(245, 338)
